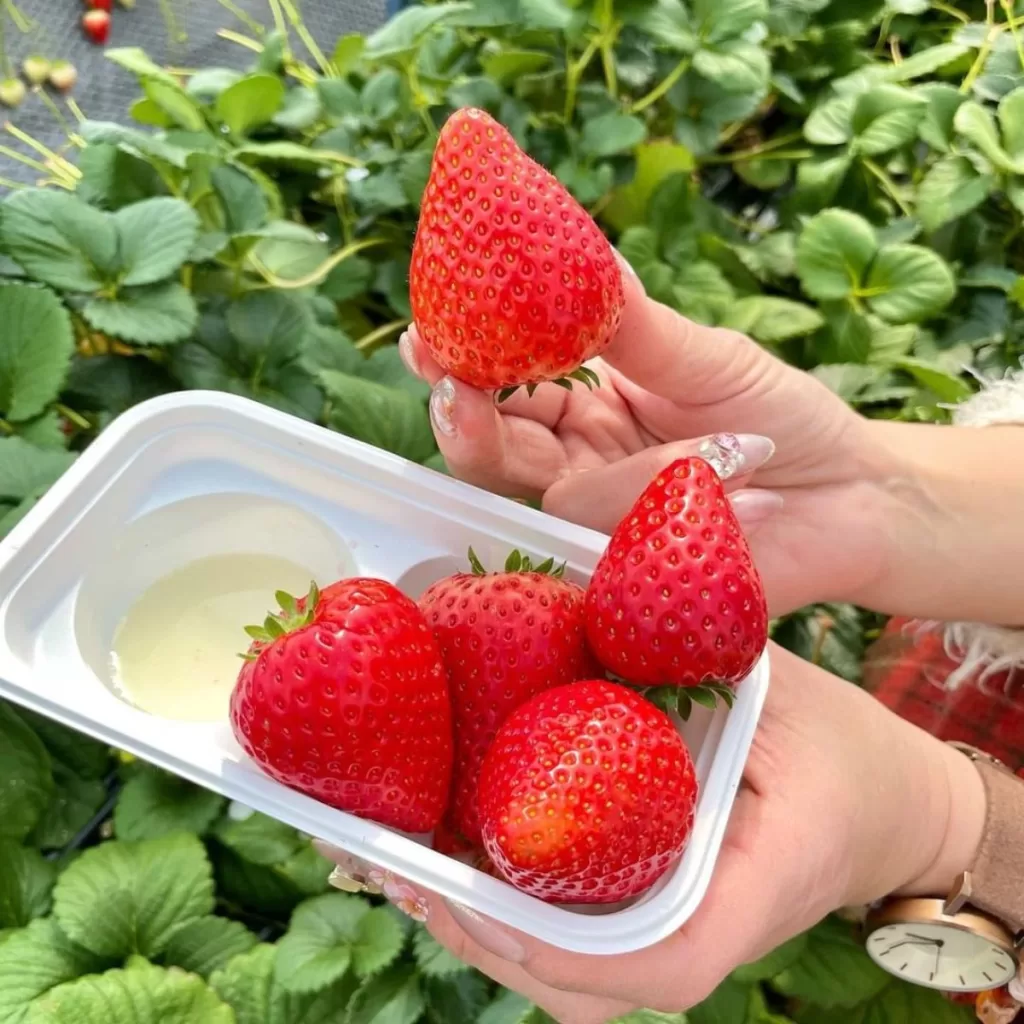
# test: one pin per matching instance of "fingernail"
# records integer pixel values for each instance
(628, 268)
(408, 355)
(442, 406)
(734, 454)
(487, 934)
(754, 506)
(350, 874)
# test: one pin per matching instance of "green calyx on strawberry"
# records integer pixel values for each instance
(511, 281)
(676, 599)
(504, 637)
(587, 794)
(345, 698)
(63, 75)
(295, 613)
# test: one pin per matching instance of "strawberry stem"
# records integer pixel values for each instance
(518, 562)
(294, 614)
(583, 374)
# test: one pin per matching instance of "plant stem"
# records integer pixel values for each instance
(237, 37)
(888, 184)
(953, 12)
(76, 110)
(6, 428)
(662, 87)
(371, 339)
(1007, 6)
(295, 17)
(77, 418)
(11, 184)
(66, 166)
(317, 275)
(39, 91)
(573, 75)
(245, 18)
(281, 28)
(986, 47)
(755, 151)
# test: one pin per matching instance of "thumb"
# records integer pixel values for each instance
(662, 352)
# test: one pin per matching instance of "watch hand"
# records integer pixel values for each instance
(911, 942)
(924, 938)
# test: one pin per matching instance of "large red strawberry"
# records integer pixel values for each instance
(511, 281)
(587, 794)
(676, 598)
(343, 696)
(504, 636)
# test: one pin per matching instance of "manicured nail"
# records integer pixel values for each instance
(442, 407)
(351, 874)
(408, 354)
(628, 268)
(402, 896)
(735, 454)
(754, 506)
(484, 932)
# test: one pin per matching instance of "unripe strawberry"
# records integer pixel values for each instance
(63, 75)
(36, 69)
(12, 92)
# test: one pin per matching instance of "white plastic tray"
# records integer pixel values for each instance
(197, 474)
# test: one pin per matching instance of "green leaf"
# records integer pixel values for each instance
(35, 960)
(25, 883)
(208, 944)
(339, 99)
(348, 280)
(291, 154)
(154, 804)
(158, 315)
(154, 239)
(139, 994)
(75, 803)
(291, 251)
(393, 997)
(123, 898)
(208, 83)
(946, 386)
(1011, 124)
(432, 958)
(35, 349)
(909, 283)
(771, 319)
(976, 124)
(380, 415)
(847, 380)
(181, 108)
(259, 839)
(402, 32)
(250, 102)
(24, 469)
(301, 109)
(505, 66)
(885, 118)
(245, 204)
(951, 188)
(508, 1008)
(347, 52)
(725, 19)
(894, 1004)
(729, 1004)
(734, 66)
(611, 134)
(247, 985)
(59, 240)
(26, 780)
(458, 997)
(331, 933)
(943, 102)
(833, 969)
(831, 123)
(655, 161)
(833, 252)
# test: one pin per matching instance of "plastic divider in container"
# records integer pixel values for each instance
(199, 476)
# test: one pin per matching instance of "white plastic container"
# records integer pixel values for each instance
(199, 474)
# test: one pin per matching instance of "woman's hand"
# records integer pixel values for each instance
(842, 803)
(666, 385)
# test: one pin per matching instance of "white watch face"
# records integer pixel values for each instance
(941, 956)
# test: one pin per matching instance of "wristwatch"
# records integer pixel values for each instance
(969, 941)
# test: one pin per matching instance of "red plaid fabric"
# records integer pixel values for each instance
(907, 669)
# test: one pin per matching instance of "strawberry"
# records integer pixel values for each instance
(97, 26)
(504, 637)
(343, 696)
(36, 69)
(12, 92)
(63, 75)
(676, 598)
(100, 5)
(511, 281)
(587, 794)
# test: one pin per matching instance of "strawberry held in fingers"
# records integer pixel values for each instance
(504, 637)
(511, 281)
(587, 794)
(676, 598)
(343, 696)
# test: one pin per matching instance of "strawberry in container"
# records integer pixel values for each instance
(919, 672)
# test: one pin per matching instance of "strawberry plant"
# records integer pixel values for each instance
(840, 179)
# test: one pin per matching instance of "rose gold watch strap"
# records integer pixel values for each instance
(996, 880)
